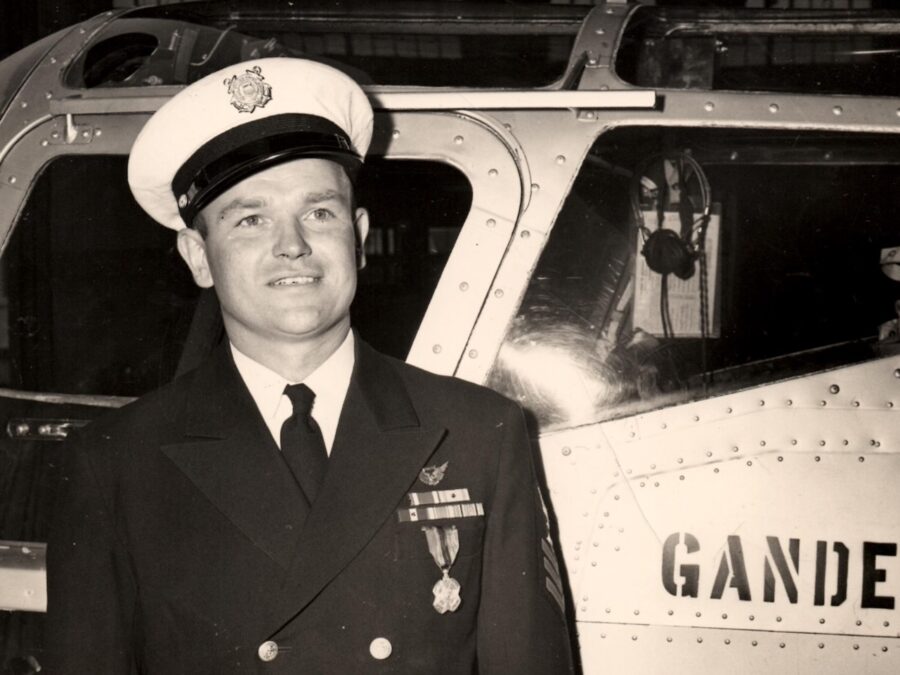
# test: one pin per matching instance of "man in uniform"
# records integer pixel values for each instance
(299, 503)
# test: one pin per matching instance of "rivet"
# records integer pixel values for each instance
(11, 180)
(680, 460)
(464, 286)
(762, 402)
(822, 443)
(890, 404)
(790, 402)
(652, 466)
(560, 159)
(98, 132)
(54, 134)
(663, 426)
(535, 187)
(778, 619)
(490, 222)
(754, 643)
(862, 459)
(823, 403)
(24, 104)
(855, 404)
(634, 637)
(858, 622)
(566, 451)
(716, 470)
(656, 484)
(762, 444)
(592, 61)
(897, 372)
(837, 110)
(749, 463)
(681, 477)
(617, 549)
(855, 646)
(593, 563)
(727, 641)
(670, 612)
(818, 459)
(699, 639)
(793, 441)
(834, 389)
(436, 349)
(734, 448)
(709, 106)
(458, 140)
(845, 442)
(81, 30)
(728, 410)
(637, 612)
(698, 614)
(696, 418)
(734, 155)
(780, 458)
(781, 644)
(600, 31)
(884, 649)
(773, 108)
(473, 353)
(708, 453)
(642, 483)
(85, 134)
(616, 497)
(821, 645)
(751, 617)
(886, 624)
(607, 610)
(45, 143)
(395, 133)
(821, 620)
(498, 293)
(525, 234)
(668, 639)
(53, 60)
(493, 173)
(724, 616)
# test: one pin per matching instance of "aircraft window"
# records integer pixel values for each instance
(454, 45)
(796, 225)
(95, 299)
(824, 53)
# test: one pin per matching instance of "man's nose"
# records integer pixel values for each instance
(290, 242)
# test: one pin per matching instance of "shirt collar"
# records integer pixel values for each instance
(329, 381)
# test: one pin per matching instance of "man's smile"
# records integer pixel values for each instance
(295, 280)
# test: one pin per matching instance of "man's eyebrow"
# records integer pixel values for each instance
(239, 203)
(323, 196)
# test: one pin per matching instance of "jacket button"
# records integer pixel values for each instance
(268, 650)
(380, 648)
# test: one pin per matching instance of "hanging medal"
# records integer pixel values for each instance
(443, 543)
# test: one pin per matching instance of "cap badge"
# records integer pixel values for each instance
(432, 475)
(248, 90)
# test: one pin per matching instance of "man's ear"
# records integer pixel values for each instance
(192, 248)
(361, 231)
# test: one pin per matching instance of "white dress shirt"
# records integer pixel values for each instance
(329, 381)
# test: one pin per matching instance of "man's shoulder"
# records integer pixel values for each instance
(151, 415)
(443, 390)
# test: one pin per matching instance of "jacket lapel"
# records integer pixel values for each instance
(230, 456)
(379, 450)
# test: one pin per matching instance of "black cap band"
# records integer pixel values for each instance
(242, 151)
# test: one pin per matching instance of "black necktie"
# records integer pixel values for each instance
(301, 442)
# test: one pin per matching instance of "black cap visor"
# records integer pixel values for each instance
(242, 151)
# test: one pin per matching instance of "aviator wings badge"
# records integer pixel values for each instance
(248, 90)
(432, 475)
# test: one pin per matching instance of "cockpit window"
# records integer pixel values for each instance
(94, 298)
(455, 44)
(801, 52)
(789, 276)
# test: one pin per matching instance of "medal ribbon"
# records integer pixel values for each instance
(443, 543)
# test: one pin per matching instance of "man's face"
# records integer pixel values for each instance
(281, 251)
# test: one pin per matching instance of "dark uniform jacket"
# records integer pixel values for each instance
(183, 545)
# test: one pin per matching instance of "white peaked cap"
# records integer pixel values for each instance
(241, 120)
